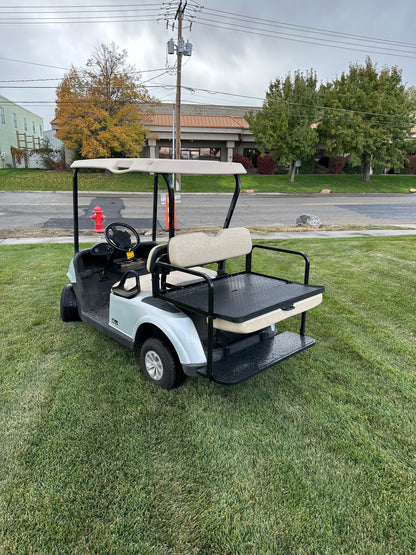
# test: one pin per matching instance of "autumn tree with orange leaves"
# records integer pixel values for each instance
(100, 107)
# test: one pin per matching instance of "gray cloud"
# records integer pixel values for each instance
(241, 63)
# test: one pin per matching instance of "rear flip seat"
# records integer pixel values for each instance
(199, 248)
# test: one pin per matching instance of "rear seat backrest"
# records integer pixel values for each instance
(196, 249)
(154, 255)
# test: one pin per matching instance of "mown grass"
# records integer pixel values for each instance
(316, 455)
(38, 180)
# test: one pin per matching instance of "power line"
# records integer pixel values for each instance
(85, 9)
(98, 19)
(283, 35)
(33, 63)
(315, 30)
(101, 13)
(48, 6)
(229, 94)
(306, 40)
(320, 118)
(315, 106)
(60, 78)
(164, 72)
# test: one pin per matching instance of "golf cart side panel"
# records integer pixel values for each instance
(128, 315)
(71, 273)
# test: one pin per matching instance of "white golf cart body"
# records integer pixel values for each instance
(217, 324)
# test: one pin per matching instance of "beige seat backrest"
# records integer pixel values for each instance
(154, 254)
(195, 249)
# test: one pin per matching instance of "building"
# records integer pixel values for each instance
(208, 132)
(19, 128)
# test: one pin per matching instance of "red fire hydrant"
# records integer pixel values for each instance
(98, 217)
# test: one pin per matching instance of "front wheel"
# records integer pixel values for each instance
(160, 364)
(69, 306)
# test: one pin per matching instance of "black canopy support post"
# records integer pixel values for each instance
(233, 201)
(75, 209)
(171, 194)
(155, 193)
(305, 281)
(221, 264)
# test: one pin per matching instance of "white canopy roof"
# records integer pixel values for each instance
(161, 165)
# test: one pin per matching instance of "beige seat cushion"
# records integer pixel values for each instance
(265, 320)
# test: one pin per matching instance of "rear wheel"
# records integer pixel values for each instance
(69, 306)
(160, 364)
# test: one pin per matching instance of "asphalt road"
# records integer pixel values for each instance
(53, 210)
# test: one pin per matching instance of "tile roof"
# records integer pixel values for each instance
(195, 120)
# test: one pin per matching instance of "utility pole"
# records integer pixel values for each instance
(182, 49)
(179, 17)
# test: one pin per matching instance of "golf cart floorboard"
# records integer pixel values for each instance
(242, 365)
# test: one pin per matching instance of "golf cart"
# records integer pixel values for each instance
(188, 320)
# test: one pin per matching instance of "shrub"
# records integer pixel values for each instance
(323, 161)
(307, 166)
(52, 159)
(378, 168)
(411, 163)
(265, 165)
(352, 169)
(336, 164)
(246, 162)
(321, 170)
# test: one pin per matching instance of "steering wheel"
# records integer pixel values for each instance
(122, 237)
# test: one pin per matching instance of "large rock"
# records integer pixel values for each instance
(308, 220)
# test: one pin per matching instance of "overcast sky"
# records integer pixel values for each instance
(233, 51)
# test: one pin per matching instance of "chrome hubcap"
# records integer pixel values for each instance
(154, 366)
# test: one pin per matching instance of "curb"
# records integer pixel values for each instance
(272, 235)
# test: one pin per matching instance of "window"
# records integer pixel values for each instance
(15, 120)
(192, 153)
(210, 154)
(25, 122)
(165, 152)
(33, 125)
(2, 116)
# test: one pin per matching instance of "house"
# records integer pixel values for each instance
(208, 132)
(19, 128)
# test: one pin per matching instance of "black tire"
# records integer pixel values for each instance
(69, 306)
(160, 365)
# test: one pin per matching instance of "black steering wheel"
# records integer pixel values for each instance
(122, 237)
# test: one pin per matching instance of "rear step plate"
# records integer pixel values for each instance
(242, 365)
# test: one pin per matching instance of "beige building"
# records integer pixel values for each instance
(208, 132)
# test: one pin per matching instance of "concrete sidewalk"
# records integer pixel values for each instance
(273, 235)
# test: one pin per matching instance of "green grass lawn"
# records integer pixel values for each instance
(38, 180)
(316, 455)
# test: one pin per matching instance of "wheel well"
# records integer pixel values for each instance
(150, 330)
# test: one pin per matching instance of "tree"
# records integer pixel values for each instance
(369, 116)
(284, 127)
(99, 107)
